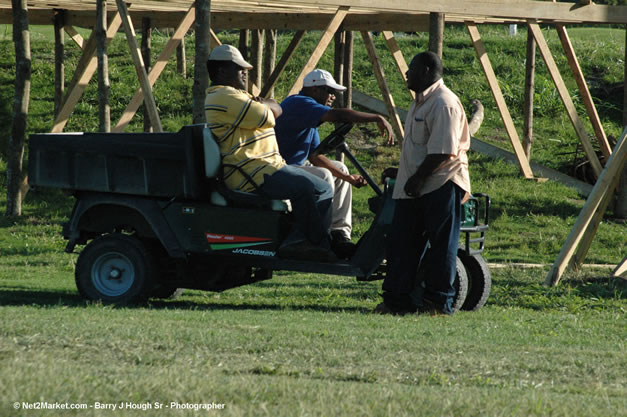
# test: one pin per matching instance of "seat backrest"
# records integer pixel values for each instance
(212, 154)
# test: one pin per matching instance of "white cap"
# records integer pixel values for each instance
(320, 77)
(228, 53)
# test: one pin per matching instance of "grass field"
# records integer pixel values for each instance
(307, 345)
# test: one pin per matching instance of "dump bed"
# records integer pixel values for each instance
(148, 164)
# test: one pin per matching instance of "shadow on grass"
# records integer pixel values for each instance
(48, 298)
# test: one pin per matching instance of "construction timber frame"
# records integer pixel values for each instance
(336, 19)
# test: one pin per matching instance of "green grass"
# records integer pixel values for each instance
(305, 344)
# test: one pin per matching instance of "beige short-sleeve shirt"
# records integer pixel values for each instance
(436, 124)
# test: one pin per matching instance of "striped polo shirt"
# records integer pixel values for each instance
(244, 130)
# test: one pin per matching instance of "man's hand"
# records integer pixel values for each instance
(356, 180)
(413, 185)
(386, 130)
(389, 173)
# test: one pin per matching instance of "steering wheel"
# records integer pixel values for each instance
(335, 139)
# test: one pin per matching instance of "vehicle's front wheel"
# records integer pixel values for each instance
(114, 268)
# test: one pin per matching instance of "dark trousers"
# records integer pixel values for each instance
(434, 220)
(311, 199)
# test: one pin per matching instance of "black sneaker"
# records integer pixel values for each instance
(342, 246)
(306, 251)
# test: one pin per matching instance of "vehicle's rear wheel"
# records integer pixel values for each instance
(479, 281)
(460, 284)
(114, 268)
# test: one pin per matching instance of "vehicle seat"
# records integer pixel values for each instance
(221, 195)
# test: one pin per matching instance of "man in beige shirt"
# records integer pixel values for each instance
(432, 181)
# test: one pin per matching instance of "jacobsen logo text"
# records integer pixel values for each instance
(254, 252)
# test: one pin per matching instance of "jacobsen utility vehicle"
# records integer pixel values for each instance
(155, 217)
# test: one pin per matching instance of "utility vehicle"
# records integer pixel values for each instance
(155, 216)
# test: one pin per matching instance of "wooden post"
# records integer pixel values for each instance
(244, 39)
(525, 168)
(602, 186)
(338, 65)
(395, 120)
(181, 59)
(335, 23)
(348, 69)
(256, 60)
(201, 77)
(269, 59)
(436, 33)
(146, 47)
(530, 73)
(142, 75)
(104, 86)
(15, 156)
(285, 58)
(59, 62)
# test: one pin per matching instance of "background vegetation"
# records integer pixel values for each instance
(306, 345)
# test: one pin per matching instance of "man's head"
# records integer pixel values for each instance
(227, 66)
(320, 85)
(424, 69)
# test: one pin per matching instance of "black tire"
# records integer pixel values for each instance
(479, 281)
(166, 292)
(115, 268)
(460, 284)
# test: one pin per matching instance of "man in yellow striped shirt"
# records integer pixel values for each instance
(243, 126)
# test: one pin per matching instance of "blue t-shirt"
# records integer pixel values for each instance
(297, 128)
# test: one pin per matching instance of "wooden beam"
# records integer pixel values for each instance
(76, 37)
(285, 58)
(565, 96)
(85, 69)
(612, 168)
(256, 60)
(591, 230)
(59, 62)
(146, 47)
(320, 48)
(202, 35)
(149, 99)
(500, 101)
(348, 69)
(397, 54)
(157, 69)
(514, 9)
(621, 268)
(397, 126)
(583, 90)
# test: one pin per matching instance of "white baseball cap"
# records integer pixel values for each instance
(228, 53)
(320, 77)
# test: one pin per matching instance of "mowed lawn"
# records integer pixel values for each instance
(307, 345)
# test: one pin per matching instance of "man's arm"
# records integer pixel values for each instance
(324, 162)
(352, 116)
(431, 163)
(274, 107)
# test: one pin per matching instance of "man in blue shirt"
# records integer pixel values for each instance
(297, 135)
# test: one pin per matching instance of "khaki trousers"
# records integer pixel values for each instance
(342, 196)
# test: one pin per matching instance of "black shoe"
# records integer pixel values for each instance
(342, 246)
(306, 251)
